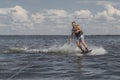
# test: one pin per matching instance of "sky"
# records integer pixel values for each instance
(54, 17)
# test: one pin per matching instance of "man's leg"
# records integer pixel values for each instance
(84, 43)
(79, 46)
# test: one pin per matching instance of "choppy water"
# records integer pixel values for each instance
(52, 58)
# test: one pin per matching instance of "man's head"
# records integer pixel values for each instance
(73, 23)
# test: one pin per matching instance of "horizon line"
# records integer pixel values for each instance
(67, 35)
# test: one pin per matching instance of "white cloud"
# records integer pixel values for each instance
(38, 17)
(16, 13)
(50, 21)
(3, 11)
(112, 11)
(16, 17)
(57, 12)
(83, 14)
(62, 17)
(19, 19)
(110, 14)
(19, 14)
(55, 16)
(103, 16)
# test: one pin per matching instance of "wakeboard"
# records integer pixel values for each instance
(86, 52)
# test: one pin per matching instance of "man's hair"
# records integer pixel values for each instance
(73, 22)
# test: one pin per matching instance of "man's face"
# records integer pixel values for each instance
(73, 24)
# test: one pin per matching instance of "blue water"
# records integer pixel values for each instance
(53, 58)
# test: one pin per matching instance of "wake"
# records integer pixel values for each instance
(65, 49)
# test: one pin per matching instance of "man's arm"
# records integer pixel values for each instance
(79, 28)
(71, 36)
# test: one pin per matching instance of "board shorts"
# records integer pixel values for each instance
(79, 39)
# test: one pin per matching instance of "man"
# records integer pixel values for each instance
(77, 31)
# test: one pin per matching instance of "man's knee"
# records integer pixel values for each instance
(77, 43)
(83, 41)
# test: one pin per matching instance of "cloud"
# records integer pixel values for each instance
(54, 17)
(3, 11)
(103, 16)
(57, 12)
(38, 17)
(19, 19)
(16, 17)
(110, 14)
(53, 21)
(18, 14)
(112, 11)
(83, 14)
(58, 19)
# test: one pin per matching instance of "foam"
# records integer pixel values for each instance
(65, 48)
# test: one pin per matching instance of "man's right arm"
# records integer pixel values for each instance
(71, 36)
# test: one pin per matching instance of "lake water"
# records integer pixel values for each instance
(53, 58)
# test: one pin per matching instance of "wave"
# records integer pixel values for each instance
(65, 48)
